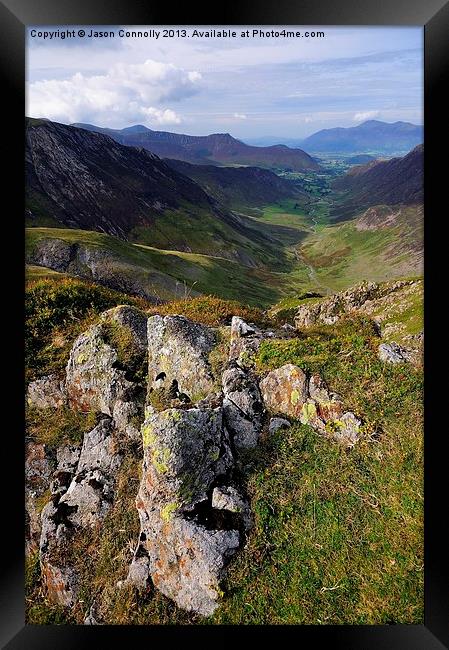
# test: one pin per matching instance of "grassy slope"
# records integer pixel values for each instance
(175, 273)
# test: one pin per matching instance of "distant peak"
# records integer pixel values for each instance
(136, 128)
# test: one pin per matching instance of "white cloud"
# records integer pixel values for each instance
(240, 116)
(125, 92)
(166, 116)
(367, 115)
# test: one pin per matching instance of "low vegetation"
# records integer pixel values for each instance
(210, 310)
(58, 311)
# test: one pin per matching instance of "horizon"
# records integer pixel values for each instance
(130, 126)
(250, 88)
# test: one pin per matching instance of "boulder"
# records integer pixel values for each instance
(185, 452)
(178, 350)
(394, 353)
(47, 392)
(242, 406)
(278, 423)
(83, 490)
(284, 390)
(99, 378)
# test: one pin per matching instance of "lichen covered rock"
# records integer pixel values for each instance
(284, 390)
(47, 392)
(242, 406)
(101, 372)
(178, 349)
(394, 353)
(185, 452)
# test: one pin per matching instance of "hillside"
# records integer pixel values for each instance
(138, 270)
(79, 179)
(239, 186)
(372, 135)
(217, 148)
(388, 182)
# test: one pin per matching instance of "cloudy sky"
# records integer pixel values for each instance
(249, 87)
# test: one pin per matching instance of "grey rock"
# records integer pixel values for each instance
(47, 392)
(229, 498)
(245, 342)
(242, 406)
(95, 381)
(278, 423)
(393, 353)
(180, 348)
(185, 451)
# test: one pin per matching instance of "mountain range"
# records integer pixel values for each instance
(369, 136)
(217, 148)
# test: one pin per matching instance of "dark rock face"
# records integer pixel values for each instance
(77, 177)
(249, 186)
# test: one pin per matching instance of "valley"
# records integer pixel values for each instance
(174, 228)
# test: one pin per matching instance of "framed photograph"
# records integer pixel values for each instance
(220, 421)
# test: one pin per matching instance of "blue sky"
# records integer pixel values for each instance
(286, 87)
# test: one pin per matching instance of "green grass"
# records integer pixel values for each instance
(338, 535)
(342, 256)
(56, 427)
(173, 274)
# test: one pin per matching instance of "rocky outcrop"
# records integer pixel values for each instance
(39, 465)
(186, 454)
(359, 298)
(285, 390)
(82, 493)
(245, 342)
(103, 364)
(289, 391)
(178, 350)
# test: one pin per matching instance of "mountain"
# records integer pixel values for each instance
(372, 135)
(239, 186)
(218, 148)
(81, 179)
(384, 182)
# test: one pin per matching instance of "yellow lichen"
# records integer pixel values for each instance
(168, 510)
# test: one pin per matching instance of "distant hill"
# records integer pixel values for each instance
(239, 186)
(372, 135)
(218, 148)
(360, 159)
(399, 181)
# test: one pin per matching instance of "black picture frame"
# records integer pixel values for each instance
(14, 16)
